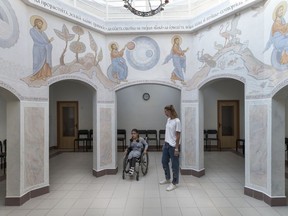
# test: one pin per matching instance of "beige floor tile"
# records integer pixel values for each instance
(74, 191)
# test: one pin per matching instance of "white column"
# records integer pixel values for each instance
(28, 151)
(192, 151)
(264, 150)
(105, 153)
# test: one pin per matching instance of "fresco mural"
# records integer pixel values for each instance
(43, 70)
(42, 49)
(142, 53)
(9, 27)
(178, 58)
(146, 54)
(118, 70)
(278, 38)
(233, 58)
(65, 36)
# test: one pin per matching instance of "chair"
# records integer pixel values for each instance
(121, 136)
(142, 133)
(161, 136)
(90, 139)
(83, 136)
(211, 137)
(205, 139)
(242, 143)
(286, 143)
(152, 136)
(3, 152)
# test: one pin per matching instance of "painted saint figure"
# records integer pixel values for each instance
(179, 60)
(118, 70)
(42, 49)
(279, 38)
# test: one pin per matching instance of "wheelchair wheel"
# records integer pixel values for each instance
(125, 166)
(144, 163)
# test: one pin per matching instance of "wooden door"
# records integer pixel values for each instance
(228, 122)
(67, 123)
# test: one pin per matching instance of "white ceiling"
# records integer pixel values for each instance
(175, 9)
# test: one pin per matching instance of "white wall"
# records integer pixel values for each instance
(134, 112)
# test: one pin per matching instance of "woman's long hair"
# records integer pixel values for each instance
(172, 110)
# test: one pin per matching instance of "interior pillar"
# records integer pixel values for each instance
(105, 152)
(264, 151)
(192, 151)
(27, 151)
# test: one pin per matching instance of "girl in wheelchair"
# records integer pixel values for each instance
(137, 144)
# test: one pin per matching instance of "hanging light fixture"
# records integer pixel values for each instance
(150, 12)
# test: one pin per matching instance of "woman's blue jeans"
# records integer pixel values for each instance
(167, 154)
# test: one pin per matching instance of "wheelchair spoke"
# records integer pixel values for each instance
(141, 163)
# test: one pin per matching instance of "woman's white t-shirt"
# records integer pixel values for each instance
(172, 126)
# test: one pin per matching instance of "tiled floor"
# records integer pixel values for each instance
(74, 191)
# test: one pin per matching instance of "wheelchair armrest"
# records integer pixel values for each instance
(129, 149)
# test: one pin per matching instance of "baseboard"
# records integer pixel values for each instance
(272, 201)
(105, 172)
(18, 201)
(195, 173)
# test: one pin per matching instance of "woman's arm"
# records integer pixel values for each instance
(145, 145)
(176, 151)
(177, 139)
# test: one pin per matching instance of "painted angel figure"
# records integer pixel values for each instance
(118, 70)
(179, 60)
(279, 38)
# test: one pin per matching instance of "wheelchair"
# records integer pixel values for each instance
(141, 164)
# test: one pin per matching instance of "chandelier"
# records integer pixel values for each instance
(150, 12)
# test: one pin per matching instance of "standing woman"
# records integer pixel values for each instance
(170, 149)
(137, 143)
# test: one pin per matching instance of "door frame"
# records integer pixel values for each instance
(236, 119)
(59, 103)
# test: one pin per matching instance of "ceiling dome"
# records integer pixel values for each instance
(115, 10)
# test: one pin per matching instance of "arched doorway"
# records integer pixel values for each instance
(71, 91)
(136, 110)
(223, 108)
(216, 159)
(81, 96)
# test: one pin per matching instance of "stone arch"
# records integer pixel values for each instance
(203, 125)
(118, 87)
(72, 77)
(278, 88)
(11, 90)
(221, 76)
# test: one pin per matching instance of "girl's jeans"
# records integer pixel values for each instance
(167, 154)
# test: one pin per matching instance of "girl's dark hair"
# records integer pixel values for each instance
(136, 131)
(172, 110)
